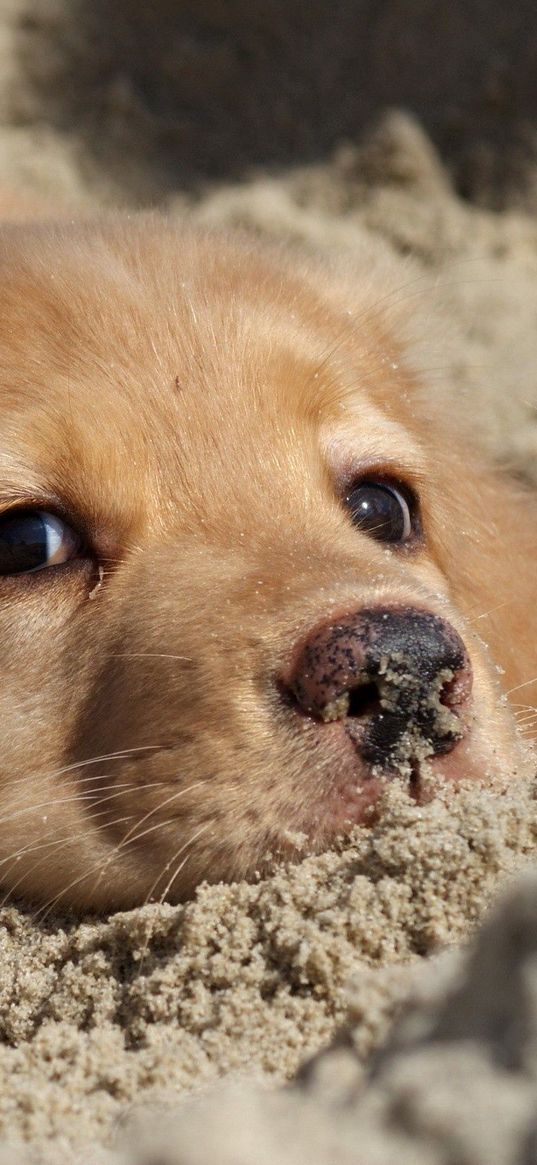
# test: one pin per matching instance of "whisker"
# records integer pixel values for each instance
(491, 611)
(112, 856)
(55, 843)
(186, 845)
(37, 846)
(104, 863)
(122, 754)
(77, 796)
(167, 888)
(38, 865)
(152, 828)
(174, 797)
(149, 655)
(526, 684)
(182, 864)
(31, 847)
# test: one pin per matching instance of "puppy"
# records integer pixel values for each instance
(249, 570)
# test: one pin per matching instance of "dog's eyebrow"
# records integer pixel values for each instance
(366, 436)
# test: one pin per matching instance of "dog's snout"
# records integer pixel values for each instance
(398, 677)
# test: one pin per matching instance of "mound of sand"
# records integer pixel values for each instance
(108, 1027)
(457, 1081)
(247, 980)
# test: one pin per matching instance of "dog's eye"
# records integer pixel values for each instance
(34, 539)
(380, 510)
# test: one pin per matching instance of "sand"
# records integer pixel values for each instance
(247, 981)
(202, 1034)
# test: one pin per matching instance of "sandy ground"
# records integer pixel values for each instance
(108, 1027)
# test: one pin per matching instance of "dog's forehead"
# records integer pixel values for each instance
(136, 308)
(168, 358)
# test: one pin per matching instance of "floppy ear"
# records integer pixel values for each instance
(491, 560)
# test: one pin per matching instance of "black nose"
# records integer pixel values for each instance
(398, 677)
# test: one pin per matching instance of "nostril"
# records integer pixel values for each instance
(364, 700)
(353, 703)
(456, 690)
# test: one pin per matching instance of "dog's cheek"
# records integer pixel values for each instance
(196, 756)
(40, 673)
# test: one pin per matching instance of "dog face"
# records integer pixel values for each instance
(247, 568)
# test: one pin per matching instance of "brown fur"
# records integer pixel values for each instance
(192, 402)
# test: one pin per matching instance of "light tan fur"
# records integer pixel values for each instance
(191, 402)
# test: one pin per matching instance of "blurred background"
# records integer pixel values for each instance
(315, 120)
(149, 97)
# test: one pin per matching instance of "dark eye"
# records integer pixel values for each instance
(381, 510)
(33, 539)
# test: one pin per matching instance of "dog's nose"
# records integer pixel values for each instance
(398, 677)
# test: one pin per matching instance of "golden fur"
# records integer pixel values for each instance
(190, 403)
